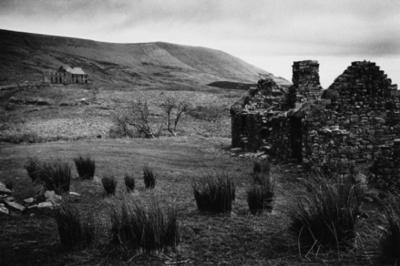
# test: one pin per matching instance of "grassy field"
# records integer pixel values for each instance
(75, 111)
(235, 239)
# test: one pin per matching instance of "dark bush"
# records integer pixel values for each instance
(390, 241)
(326, 216)
(73, 231)
(129, 183)
(85, 167)
(109, 184)
(135, 227)
(214, 193)
(54, 175)
(260, 198)
(149, 177)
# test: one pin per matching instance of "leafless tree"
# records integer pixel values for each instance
(174, 109)
(136, 115)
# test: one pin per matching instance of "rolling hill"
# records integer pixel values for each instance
(25, 56)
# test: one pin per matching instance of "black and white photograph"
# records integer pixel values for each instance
(199, 132)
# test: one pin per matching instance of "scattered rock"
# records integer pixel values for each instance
(45, 204)
(3, 209)
(71, 193)
(52, 197)
(4, 189)
(29, 200)
(15, 205)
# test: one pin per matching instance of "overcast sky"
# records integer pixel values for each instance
(254, 30)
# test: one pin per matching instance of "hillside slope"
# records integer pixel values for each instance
(24, 56)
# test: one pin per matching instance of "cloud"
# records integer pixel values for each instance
(340, 27)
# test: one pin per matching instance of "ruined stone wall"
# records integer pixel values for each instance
(249, 115)
(306, 85)
(364, 104)
(354, 122)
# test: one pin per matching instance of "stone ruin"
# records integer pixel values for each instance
(353, 122)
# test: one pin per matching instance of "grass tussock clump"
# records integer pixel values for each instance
(261, 195)
(73, 231)
(136, 227)
(261, 173)
(326, 217)
(85, 167)
(129, 183)
(260, 198)
(33, 168)
(214, 193)
(55, 175)
(389, 251)
(149, 177)
(109, 185)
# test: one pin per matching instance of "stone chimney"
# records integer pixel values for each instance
(305, 80)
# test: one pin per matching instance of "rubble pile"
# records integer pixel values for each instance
(48, 200)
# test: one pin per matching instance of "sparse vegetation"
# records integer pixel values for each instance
(129, 183)
(325, 218)
(54, 175)
(149, 177)
(214, 193)
(73, 231)
(85, 167)
(136, 227)
(109, 184)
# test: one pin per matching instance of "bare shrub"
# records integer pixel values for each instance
(174, 110)
(214, 193)
(85, 167)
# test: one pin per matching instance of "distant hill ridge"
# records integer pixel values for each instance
(24, 56)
